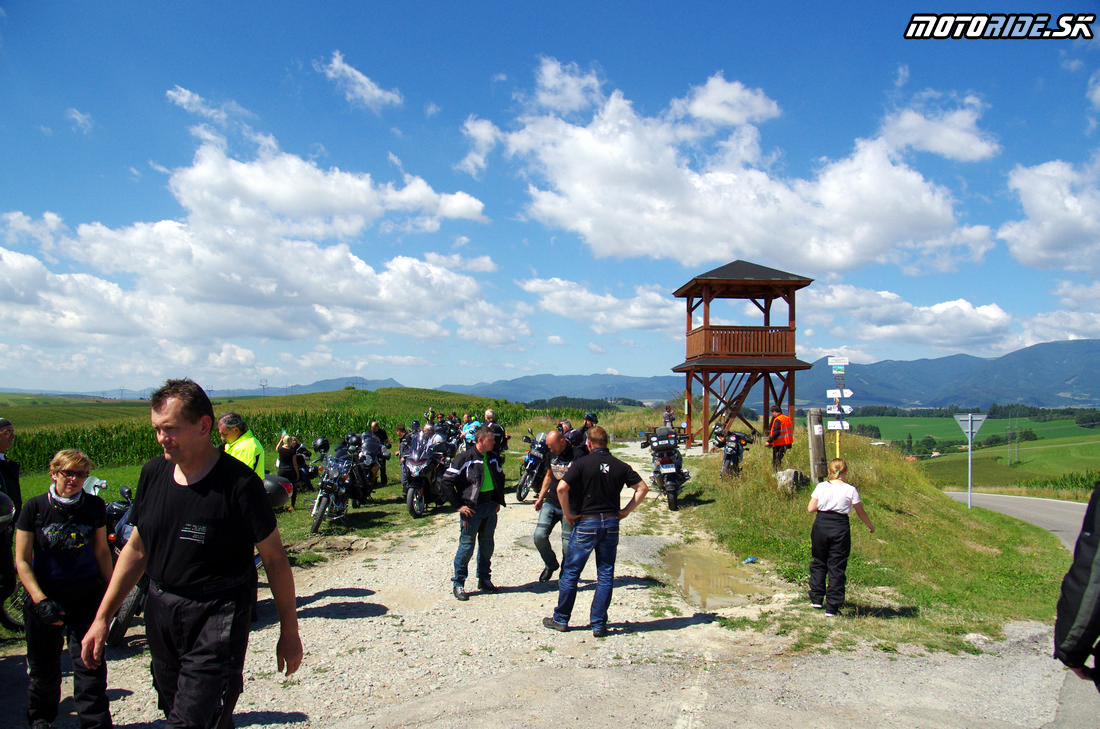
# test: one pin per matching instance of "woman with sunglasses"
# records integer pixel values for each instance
(63, 561)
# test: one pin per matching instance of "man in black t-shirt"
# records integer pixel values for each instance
(548, 507)
(198, 515)
(600, 477)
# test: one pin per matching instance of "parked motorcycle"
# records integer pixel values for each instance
(668, 465)
(424, 471)
(534, 464)
(732, 445)
(119, 530)
(12, 594)
(349, 474)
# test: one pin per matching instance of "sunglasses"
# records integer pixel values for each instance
(73, 474)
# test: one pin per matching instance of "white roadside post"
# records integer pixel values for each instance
(970, 424)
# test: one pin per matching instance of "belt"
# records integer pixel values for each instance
(212, 589)
(593, 517)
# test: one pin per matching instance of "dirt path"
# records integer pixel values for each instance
(387, 645)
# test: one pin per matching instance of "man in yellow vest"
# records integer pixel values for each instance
(240, 443)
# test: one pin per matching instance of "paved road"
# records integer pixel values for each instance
(1077, 701)
(1062, 518)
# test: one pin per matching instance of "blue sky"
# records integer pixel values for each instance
(451, 193)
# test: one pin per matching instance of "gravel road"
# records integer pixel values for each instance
(387, 645)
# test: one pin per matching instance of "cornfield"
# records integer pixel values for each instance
(331, 414)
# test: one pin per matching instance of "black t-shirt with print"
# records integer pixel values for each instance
(203, 534)
(600, 477)
(64, 536)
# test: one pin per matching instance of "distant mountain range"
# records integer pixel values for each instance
(595, 387)
(1049, 375)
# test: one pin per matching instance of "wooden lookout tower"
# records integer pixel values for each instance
(728, 362)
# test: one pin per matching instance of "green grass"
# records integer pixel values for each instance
(892, 428)
(930, 574)
(997, 469)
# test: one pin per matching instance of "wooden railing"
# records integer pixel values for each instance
(740, 342)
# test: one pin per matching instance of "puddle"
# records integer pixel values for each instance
(708, 579)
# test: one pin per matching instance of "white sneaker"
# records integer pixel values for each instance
(816, 605)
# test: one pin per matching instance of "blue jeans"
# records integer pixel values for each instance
(481, 526)
(549, 516)
(602, 535)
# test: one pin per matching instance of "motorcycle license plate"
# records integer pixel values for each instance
(668, 468)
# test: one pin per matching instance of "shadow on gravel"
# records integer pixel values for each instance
(677, 623)
(353, 608)
(267, 718)
(856, 610)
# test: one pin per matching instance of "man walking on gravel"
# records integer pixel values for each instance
(600, 478)
(198, 515)
(550, 513)
(475, 481)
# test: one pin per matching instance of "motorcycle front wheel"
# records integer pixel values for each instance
(415, 501)
(11, 616)
(319, 510)
(524, 486)
(131, 606)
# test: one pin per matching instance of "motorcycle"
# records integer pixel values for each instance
(119, 530)
(534, 464)
(349, 474)
(14, 595)
(424, 473)
(668, 465)
(732, 445)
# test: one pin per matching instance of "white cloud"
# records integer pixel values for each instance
(564, 88)
(1062, 227)
(949, 132)
(483, 135)
(882, 316)
(357, 88)
(555, 340)
(81, 122)
(635, 186)
(649, 309)
(726, 103)
(194, 103)
(1093, 92)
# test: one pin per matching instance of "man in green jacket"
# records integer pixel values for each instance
(240, 443)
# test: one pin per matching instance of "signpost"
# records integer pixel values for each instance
(970, 424)
(838, 364)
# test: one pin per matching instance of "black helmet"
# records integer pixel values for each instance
(592, 417)
(278, 490)
(7, 511)
(321, 445)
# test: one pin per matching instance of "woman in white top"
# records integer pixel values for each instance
(831, 537)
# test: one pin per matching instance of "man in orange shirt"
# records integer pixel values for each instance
(780, 436)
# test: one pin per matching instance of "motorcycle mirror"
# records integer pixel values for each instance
(641, 434)
(94, 485)
(683, 424)
(125, 492)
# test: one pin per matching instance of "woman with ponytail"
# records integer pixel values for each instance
(831, 537)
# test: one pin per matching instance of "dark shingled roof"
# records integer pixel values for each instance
(743, 279)
(743, 364)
